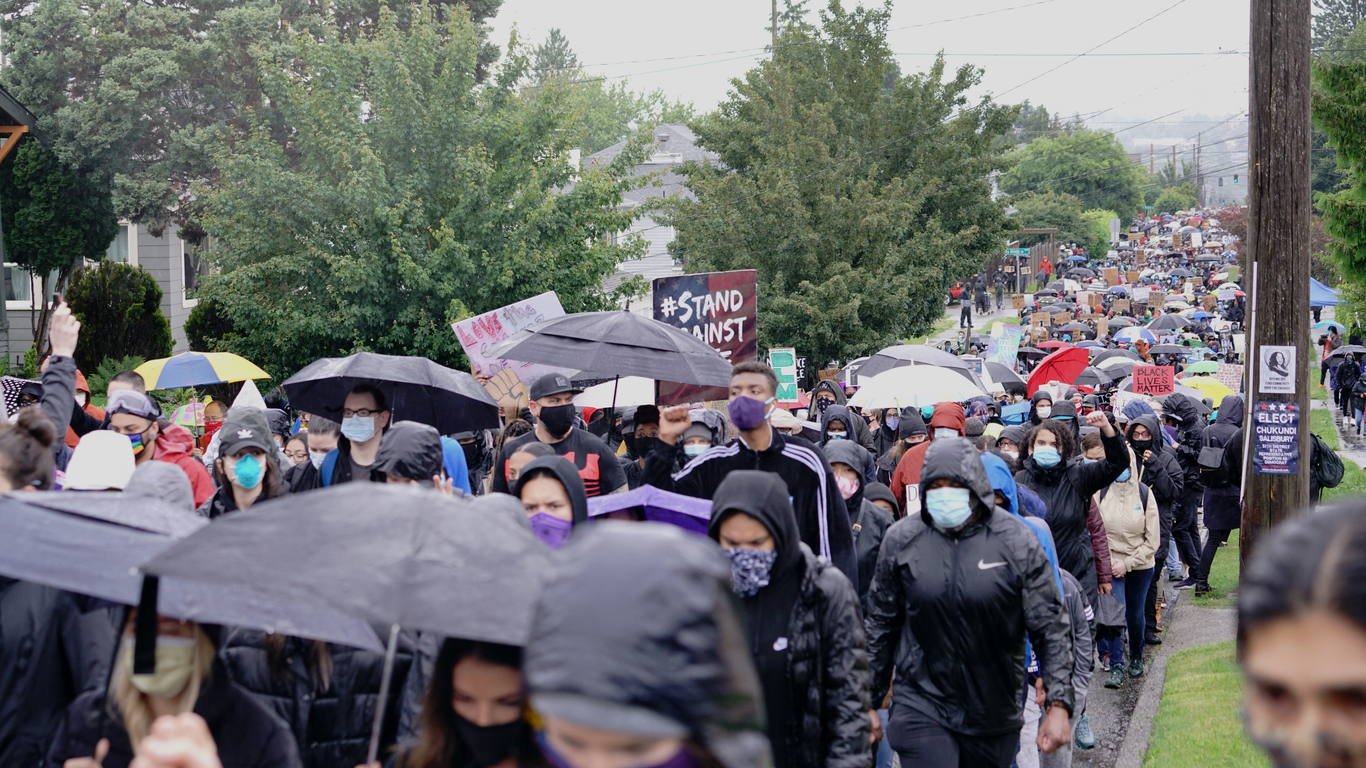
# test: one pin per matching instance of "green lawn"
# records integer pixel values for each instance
(1198, 722)
(1353, 478)
(941, 325)
(1319, 393)
(1223, 577)
(1321, 424)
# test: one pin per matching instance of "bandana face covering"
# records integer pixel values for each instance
(750, 569)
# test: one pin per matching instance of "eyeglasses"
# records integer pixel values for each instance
(363, 413)
(297, 455)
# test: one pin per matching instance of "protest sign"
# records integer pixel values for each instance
(784, 363)
(1226, 294)
(1230, 375)
(801, 373)
(1017, 301)
(1142, 258)
(1140, 294)
(480, 333)
(1157, 299)
(507, 390)
(828, 374)
(1111, 276)
(717, 307)
(1039, 318)
(1210, 302)
(1276, 438)
(1277, 370)
(1154, 380)
(1102, 328)
(1007, 347)
(1130, 277)
(1121, 305)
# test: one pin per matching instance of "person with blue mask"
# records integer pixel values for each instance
(958, 587)
(246, 470)
(1066, 487)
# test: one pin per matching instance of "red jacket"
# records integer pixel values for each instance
(908, 469)
(174, 446)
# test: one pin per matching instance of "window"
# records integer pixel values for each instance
(194, 266)
(18, 285)
(118, 250)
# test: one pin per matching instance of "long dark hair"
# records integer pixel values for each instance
(317, 660)
(439, 743)
(272, 480)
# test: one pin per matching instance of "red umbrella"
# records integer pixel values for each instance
(1053, 344)
(1065, 366)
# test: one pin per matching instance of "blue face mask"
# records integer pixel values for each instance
(893, 422)
(949, 507)
(247, 471)
(1124, 478)
(1047, 456)
(927, 412)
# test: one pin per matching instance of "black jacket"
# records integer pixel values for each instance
(805, 633)
(331, 727)
(302, 477)
(949, 610)
(1222, 510)
(1188, 438)
(51, 651)
(821, 515)
(851, 422)
(247, 734)
(1034, 405)
(862, 434)
(410, 450)
(1066, 490)
(1161, 473)
(869, 521)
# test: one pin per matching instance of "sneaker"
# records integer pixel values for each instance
(1105, 663)
(1202, 588)
(1174, 576)
(1187, 584)
(1085, 739)
(1116, 678)
(1152, 639)
(1136, 668)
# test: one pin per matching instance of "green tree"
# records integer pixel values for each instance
(1090, 165)
(1334, 20)
(1049, 210)
(1036, 122)
(1096, 231)
(1179, 198)
(411, 197)
(119, 307)
(554, 58)
(1338, 100)
(858, 205)
(53, 217)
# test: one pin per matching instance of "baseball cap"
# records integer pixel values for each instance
(552, 384)
(131, 402)
(243, 428)
(102, 460)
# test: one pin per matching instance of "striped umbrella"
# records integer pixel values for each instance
(192, 369)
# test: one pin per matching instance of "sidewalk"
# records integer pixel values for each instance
(980, 323)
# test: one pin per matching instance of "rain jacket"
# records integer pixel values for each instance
(1064, 411)
(567, 474)
(870, 522)
(822, 517)
(952, 622)
(162, 482)
(1034, 405)
(1188, 436)
(844, 416)
(643, 617)
(95, 413)
(884, 438)
(1222, 511)
(1161, 473)
(331, 726)
(1132, 521)
(912, 423)
(816, 683)
(1066, 490)
(410, 450)
(173, 446)
(51, 651)
(247, 734)
(908, 470)
(862, 434)
(478, 460)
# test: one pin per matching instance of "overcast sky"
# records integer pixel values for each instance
(692, 49)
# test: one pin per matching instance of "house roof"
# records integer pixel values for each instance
(675, 144)
(14, 113)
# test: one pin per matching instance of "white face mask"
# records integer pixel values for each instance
(316, 459)
(81, 399)
(945, 432)
(1044, 411)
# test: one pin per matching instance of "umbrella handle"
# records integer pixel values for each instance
(385, 679)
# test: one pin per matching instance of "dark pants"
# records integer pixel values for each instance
(924, 743)
(1132, 592)
(1164, 541)
(1216, 537)
(1186, 528)
(965, 317)
(1323, 371)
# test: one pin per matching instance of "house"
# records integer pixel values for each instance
(674, 145)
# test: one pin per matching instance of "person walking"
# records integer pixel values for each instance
(1223, 512)
(1180, 412)
(245, 469)
(552, 403)
(957, 589)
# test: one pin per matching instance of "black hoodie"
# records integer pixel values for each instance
(1189, 433)
(949, 610)
(1034, 405)
(1222, 511)
(870, 522)
(566, 473)
(408, 449)
(805, 636)
(1161, 473)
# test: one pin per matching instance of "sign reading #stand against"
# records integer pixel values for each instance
(717, 307)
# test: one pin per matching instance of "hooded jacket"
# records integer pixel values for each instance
(1222, 511)
(1066, 412)
(173, 446)
(1160, 471)
(1066, 490)
(862, 434)
(331, 726)
(849, 419)
(162, 482)
(51, 651)
(884, 437)
(947, 415)
(952, 622)
(870, 522)
(72, 439)
(639, 621)
(816, 683)
(822, 517)
(408, 449)
(246, 733)
(567, 474)
(1132, 522)
(912, 423)
(1034, 405)
(1188, 437)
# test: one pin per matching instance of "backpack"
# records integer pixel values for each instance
(1326, 466)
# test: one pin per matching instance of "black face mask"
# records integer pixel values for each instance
(558, 419)
(471, 453)
(491, 745)
(822, 403)
(644, 445)
(1140, 446)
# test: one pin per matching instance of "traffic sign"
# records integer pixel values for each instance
(1017, 251)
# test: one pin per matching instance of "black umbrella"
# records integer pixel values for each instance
(1077, 328)
(1113, 353)
(1168, 349)
(416, 388)
(1093, 377)
(1062, 306)
(1001, 374)
(1206, 257)
(1116, 367)
(79, 548)
(1181, 272)
(1032, 352)
(618, 344)
(916, 354)
(1346, 349)
(1081, 272)
(1122, 322)
(1046, 292)
(1168, 322)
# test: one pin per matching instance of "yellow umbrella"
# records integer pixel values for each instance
(1211, 386)
(192, 369)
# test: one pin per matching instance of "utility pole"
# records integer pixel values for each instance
(1278, 257)
(1150, 159)
(1176, 169)
(773, 16)
(1199, 177)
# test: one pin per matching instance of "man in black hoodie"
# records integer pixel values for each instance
(870, 522)
(803, 627)
(822, 519)
(1181, 412)
(957, 589)
(1223, 513)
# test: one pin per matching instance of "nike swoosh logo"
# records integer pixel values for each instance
(985, 566)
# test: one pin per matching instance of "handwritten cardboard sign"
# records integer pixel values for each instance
(1102, 328)
(1154, 380)
(1017, 301)
(1121, 305)
(1112, 276)
(479, 334)
(1130, 277)
(1039, 319)
(1157, 299)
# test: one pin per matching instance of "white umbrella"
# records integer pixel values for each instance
(914, 386)
(629, 390)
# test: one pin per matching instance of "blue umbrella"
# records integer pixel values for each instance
(1076, 257)
(1131, 335)
(1015, 414)
(1123, 289)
